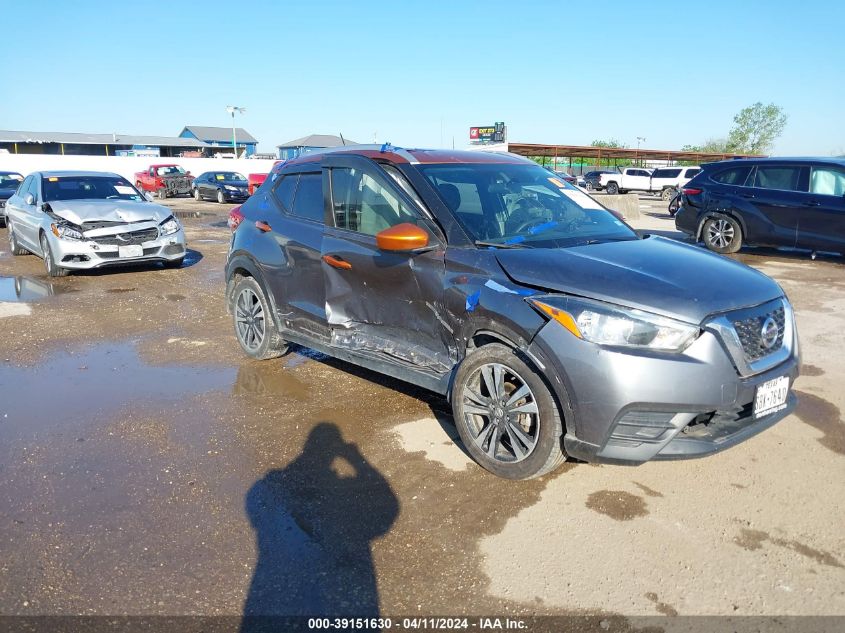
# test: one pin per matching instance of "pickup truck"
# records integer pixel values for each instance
(164, 181)
(630, 179)
(254, 181)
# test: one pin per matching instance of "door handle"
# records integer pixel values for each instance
(813, 203)
(746, 195)
(337, 262)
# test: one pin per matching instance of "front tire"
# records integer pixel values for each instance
(722, 234)
(589, 186)
(612, 188)
(221, 197)
(255, 327)
(197, 194)
(53, 269)
(506, 416)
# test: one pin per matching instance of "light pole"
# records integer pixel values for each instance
(639, 138)
(231, 110)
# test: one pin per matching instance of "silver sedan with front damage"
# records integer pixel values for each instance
(78, 220)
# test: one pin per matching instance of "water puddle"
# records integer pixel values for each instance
(74, 387)
(25, 289)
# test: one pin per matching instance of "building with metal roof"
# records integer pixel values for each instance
(221, 137)
(310, 143)
(81, 144)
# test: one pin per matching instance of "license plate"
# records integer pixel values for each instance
(130, 251)
(771, 396)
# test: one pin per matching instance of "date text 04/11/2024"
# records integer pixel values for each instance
(417, 623)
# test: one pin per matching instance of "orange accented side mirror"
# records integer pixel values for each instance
(402, 237)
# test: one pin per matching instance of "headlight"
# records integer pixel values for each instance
(609, 324)
(170, 225)
(67, 232)
(230, 188)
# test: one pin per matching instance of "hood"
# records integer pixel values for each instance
(233, 183)
(79, 211)
(653, 274)
(5, 194)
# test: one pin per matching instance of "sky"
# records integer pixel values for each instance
(421, 73)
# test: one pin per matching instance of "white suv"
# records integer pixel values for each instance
(667, 181)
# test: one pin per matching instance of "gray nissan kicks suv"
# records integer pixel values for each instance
(550, 325)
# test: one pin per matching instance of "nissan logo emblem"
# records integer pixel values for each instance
(769, 333)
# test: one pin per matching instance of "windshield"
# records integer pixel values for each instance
(88, 188)
(10, 181)
(524, 205)
(169, 169)
(229, 175)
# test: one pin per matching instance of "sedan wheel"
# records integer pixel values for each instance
(14, 247)
(505, 414)
(53, 270)
(197, 195)
(221, 197)
(589, 186)
(722, 234)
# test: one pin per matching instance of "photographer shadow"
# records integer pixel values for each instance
(313, 522)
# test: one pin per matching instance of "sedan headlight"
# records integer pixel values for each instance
(230, 188)
(169, 226)
(65, 231)
(609, 324)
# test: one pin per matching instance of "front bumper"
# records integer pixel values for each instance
(235, 196)
(628, 407)
(88, 254)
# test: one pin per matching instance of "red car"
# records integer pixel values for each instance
(164, 180)
(254, 181)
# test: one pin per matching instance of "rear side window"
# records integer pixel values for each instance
(692, 172)
(782, 177)
(827, 181)
(666, 173)
(732, 176)
(283, 192)
(308, 201)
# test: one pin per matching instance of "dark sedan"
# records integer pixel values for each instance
(592, 179)
(9, 183)
(793, 202)
(223, 186)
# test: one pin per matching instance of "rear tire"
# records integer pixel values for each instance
(612, 188)
(53, 269)
(668, 193)
(14, 247)
(722, 234)
(255, 327)
(507, 418)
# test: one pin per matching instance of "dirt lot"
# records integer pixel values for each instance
(148, 467)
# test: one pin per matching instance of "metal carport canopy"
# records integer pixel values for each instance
(604, 153)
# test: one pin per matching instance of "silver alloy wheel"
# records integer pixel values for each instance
(197, 195)
(249, 318)
(48, 256)
(501, 413)
(720, 233)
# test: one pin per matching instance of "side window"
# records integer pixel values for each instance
(692, 172)
(732, 176)
(782, 177)
(283, 191)
(33, 187)
(308, 201)
(827, 181)
(361, 203)
(23, 187)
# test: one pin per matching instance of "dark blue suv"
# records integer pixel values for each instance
(793, 202)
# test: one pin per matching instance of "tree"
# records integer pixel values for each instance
(756, 128)
(611, 143)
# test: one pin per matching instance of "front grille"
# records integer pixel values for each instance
(750, 333)
(128, 239)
